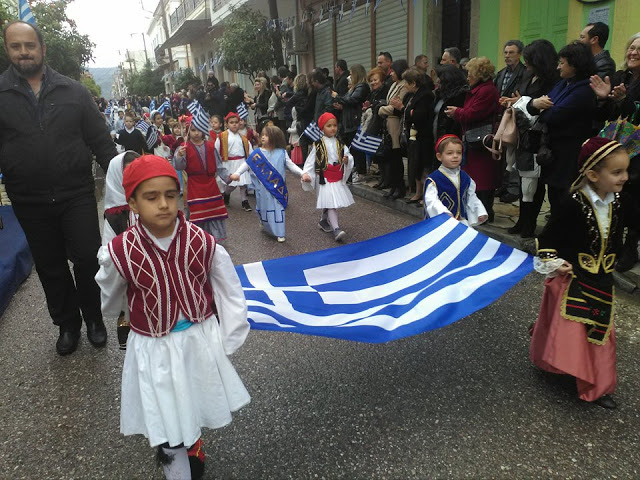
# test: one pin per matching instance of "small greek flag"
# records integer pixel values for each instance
(142, 126)
(366, 143)
(200, 118)
(25, 12)
(202, 67)
(407, 282)
(152, 105)
(152, 138)
(313, 132)
(107, 111)
(164, 107)
(243, 113)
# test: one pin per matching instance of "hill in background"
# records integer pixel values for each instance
(104, 78)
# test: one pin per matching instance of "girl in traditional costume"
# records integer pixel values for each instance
(268, 165)
(574, 333)
(188, 313)
(233, 149)
(328, 167)
(198, 158)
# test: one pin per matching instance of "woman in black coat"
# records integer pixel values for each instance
(418, 129)
(351, 106)
(452, 88)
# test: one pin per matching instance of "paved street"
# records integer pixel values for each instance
(460, 402)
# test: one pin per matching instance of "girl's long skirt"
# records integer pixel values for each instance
(559, 345)
(174, 385)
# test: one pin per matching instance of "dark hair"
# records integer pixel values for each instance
(386, 55)
(447, 141)
(600, 30)
(220, 119)
(35, 29)
(413, 75)
(318, 76)
(342, 65)
(579, 56)
(452, 81)
(516, 43)
(419, 57)
(455, 53)
(129, 157)
(325, 71)
(283, 72)
(400, 66)
(276, 137)
(542, 58)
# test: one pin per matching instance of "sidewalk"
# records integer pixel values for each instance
(506, 215)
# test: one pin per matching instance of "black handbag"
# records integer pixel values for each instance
(474, 137)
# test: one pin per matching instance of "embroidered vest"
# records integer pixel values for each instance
(160, 284)
(322, 162)
(224, 145)
(194, 162)
(452, 197)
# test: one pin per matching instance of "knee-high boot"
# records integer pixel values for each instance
(529, 219)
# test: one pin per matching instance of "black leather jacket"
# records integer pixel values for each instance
(46, 143)
(605, 66)
(352, 107)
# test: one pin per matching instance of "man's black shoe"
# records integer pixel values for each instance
(97, 333)
(606, 402)
(67, 342)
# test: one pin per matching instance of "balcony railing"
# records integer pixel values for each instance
(185, 8)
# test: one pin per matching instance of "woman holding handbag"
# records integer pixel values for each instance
(477, 118)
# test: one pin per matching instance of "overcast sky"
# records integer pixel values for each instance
(110, 24)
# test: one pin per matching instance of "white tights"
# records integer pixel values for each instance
(331, 215)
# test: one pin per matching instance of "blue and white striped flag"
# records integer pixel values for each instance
(107, 111)
(366, 143)
(142, 126)
(200, 118)
(152, 138)
(152, 105)
(164, 107)
(313, 132)
(243, 113)
(420, 278)
(25, 12)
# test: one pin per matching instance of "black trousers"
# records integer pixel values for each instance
(396, 170)
(57, 233)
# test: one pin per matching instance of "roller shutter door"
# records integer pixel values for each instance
(391, 29)
(354, 38)
(323, 45)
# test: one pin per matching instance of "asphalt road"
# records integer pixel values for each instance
(460, 402)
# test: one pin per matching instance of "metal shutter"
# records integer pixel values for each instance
(323, 45)
(354, 38)
(391, 29)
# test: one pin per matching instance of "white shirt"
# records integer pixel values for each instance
(235, 145)
(601, 208)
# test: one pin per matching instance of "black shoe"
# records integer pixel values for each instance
(509, 197)
(390, 193)
(226, 198)
(409, 201)
(67, 342)
(381, 186)
(97, 333)
(517, 228)
(606, 401)
(245, 206)
(398, 195)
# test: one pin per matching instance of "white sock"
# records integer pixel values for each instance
(332, 215)
(178, 466)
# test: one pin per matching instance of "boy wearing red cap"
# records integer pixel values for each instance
(574, 333)
(233, 149)
(328, 167)
(450, 190)
(187, 313)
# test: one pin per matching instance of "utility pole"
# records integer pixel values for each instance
(144, 42)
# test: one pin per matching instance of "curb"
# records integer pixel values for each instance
(627, 281)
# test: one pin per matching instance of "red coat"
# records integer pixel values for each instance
(203, 196)
(480, 108)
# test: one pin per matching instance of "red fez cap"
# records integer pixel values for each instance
(592, 152)
(444, 137)
(231, 115)
(324, 118)
(143, 168)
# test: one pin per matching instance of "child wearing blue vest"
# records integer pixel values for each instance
(450, 190)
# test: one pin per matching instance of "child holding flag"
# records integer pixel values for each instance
(327, 169)
(233, 149)
(268, 166)
(176, 377)
(198, 158)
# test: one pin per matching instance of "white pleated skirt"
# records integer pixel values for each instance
(333, 195)
(232, 166)
(174, 385)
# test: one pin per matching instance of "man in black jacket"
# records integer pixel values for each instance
(595, 35)
(49, 126)
(511, 75)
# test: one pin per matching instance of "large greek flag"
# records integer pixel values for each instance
(200, 118)
(24, 12)
(422, 277)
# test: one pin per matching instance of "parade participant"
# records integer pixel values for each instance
(50, 127)
(216, 124)
(118, 217)
(176, 377)
(233, 149)
(198, 158)
(248, 132)
(328, 166)
(268, 165)
(574, 333)
(450, 190)
(130, 137)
